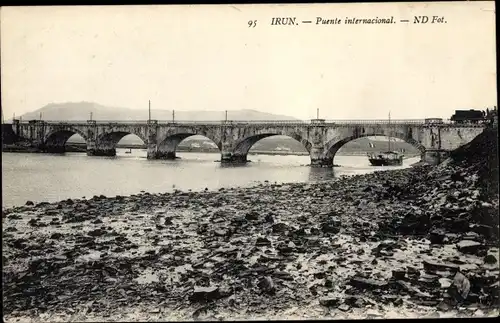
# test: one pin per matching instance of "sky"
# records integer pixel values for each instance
(208, 58)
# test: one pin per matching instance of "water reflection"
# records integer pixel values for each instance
(321, 174)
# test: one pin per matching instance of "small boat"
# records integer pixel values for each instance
(386, 158)
(129, 151)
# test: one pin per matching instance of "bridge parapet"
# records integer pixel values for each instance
(311, 123)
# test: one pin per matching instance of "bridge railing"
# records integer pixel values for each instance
(257, 122)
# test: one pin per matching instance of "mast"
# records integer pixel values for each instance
(149, 106)
(389, 131)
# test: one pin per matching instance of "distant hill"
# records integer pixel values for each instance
(72, 111)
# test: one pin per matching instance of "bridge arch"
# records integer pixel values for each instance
(167, 147)
(333, 146)
(243, 146)
(112, 138)
(106, 142)
(55, 140)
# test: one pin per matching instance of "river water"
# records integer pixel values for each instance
(44, 177)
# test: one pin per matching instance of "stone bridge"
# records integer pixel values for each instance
(322, 139)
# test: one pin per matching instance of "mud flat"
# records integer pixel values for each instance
(419, 242)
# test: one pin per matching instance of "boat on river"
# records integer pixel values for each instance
(386, 158)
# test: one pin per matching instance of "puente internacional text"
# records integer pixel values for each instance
(321, 138)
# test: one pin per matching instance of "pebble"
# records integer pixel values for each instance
(262, 245)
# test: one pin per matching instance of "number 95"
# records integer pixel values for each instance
(252, 23)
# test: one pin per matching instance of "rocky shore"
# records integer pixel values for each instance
(416, 242)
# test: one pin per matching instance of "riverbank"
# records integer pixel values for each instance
(410, 243)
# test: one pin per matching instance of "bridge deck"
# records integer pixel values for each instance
(312, 123)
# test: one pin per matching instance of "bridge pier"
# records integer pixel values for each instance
(435, 156)
(54, 149)
(322, 162)
(101, 152)
(166, 155)
(319, 158)
(229, 158)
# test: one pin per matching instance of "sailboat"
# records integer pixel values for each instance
(386, 158)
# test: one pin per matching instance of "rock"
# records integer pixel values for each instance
(469, 246)
(329, 301)
(354, 301)
(221, 232)
(445, 282)
(490, 259)
(444, 306)
(261, 241)
(266, 285)
(460, 287)
(362, 283)
(29, 203)
(344, 307)
(269, 218)
(33, 222)
(398, 301)
(331, 226)
(398, 274)
(56, 236)
(483, 229)
(432, 266)
(437, 236)
(280, 227)
(252, 215)
(96, 232)
(204, 294)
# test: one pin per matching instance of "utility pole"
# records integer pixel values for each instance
(90, 115)
(40, 116)
(226, 115)
(173, 116)
(149, 110)
(317, 113)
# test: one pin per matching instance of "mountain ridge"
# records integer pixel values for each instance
(72, 111)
